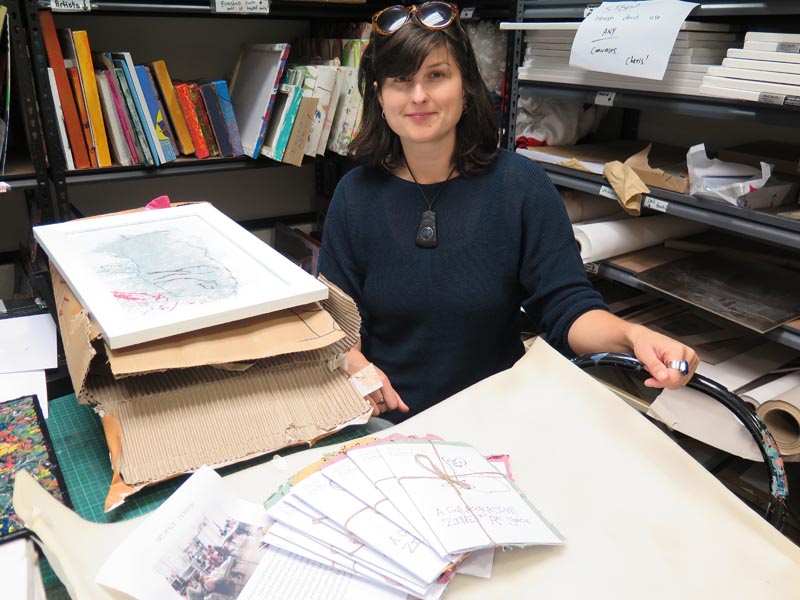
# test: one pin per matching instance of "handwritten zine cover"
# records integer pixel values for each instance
(25, 444)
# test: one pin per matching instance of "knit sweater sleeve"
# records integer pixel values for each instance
(552, 272)
(338, 260)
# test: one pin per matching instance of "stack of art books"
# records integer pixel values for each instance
(393, 518)
(766, 70)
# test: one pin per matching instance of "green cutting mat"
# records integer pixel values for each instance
(81, 451)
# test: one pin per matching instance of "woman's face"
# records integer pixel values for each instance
(425, 107)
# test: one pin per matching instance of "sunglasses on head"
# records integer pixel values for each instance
(434, 15)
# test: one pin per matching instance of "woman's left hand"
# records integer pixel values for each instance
(657, 352)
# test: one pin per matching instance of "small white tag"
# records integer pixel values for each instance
(608, 192)
(591, 267)
(605, 98)
(4, 187)
(70, 5)
(242, 7)
(769, 98)
(366, 380)
(466, 13)
(655, 204)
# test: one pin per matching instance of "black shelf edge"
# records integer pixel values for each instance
(706, 107)
(758, 225)
(534, 9)
(782, 335)
(174, 169)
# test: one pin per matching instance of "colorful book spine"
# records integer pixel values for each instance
(140, 138)
(119, 146)
(156, 113)
(148, 122)
(176, 116)
(75, 82)
(214, 111)
(192, 123)
(202, 119)
(55, 59)
(224, 97)
(280, 126)
(124, 117)
(93, 107)
(62, 130)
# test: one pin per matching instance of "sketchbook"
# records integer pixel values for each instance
(26, 446)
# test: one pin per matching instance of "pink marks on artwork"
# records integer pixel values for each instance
(156, 301)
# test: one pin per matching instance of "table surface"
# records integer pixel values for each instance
(642, 519)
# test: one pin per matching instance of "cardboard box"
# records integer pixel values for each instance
(215, 396)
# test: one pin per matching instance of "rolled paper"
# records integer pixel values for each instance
(783, 421)
(583, 206)
(601, 240)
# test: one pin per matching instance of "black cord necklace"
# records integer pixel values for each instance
(426, 232)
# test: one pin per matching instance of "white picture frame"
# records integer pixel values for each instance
(151, 274)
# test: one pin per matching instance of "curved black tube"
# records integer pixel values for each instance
(779, 484)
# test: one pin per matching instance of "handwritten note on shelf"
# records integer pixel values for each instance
(629, 38)
(242, 7)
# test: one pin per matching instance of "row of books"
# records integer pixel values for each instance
(114, 112)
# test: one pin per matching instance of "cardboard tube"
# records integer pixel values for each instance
(783, 421)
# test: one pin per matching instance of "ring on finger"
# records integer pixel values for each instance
(680, 365)
(381, 402)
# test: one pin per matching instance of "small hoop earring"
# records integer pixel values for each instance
(383, 116)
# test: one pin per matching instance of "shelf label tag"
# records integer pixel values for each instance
(70, 5)
(467, 13)
(592, 268)
(787, 47)
(655, 204)
(241, 7)
(605, 98)
(608, 192)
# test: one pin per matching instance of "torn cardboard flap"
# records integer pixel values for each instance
(627, 185)
(173, 412)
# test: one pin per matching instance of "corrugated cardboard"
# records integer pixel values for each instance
(172, 405)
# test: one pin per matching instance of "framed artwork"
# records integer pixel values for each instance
(151, 274)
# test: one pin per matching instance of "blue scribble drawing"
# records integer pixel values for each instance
(160, 270)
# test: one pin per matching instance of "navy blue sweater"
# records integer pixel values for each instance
(437, 320)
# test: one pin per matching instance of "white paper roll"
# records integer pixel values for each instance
(598, 241)
(582, 206)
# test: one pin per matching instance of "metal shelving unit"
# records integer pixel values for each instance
(764, 226)
(755, 224)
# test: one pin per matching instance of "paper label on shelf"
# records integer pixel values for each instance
(629, 38)
(592, 268)
(605, 98)
(467, 13)
(608, 192)
(779, 99)
(786, 47)
(4, 187)
(655, 204)
(70, 5)
(241, 7)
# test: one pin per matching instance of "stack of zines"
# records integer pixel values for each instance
(766, 70)
(698, 46)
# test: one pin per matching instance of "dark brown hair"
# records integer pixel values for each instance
(402, 54)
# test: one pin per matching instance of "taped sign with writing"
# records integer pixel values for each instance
(629, 38)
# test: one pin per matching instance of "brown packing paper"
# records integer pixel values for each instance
(657, 165)
(172, 411)
(627, 185)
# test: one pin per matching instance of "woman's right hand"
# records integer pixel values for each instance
(384, 398)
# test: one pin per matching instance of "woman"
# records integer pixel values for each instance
(440, 237)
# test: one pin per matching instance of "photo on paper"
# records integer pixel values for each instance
(214, 559)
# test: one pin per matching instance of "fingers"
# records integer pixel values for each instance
(674, 369)
(385, 398)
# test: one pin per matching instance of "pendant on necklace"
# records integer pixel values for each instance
(426, 233)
